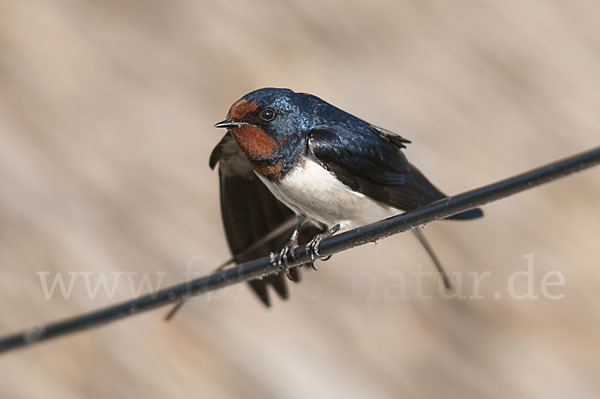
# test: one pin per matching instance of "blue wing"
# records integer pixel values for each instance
(369, 160)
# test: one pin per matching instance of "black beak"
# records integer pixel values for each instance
(229, 123)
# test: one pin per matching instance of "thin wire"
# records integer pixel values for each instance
(285, 226)
(182, 301)
(340, 242)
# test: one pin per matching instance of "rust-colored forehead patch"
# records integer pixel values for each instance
(240, 108)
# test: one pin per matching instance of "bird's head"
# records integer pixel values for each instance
(268, 124)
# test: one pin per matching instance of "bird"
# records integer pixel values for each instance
(294, 169)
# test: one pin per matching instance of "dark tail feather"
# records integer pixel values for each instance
(438, 265)
(467, 215)
(419, 192)
(260, 289)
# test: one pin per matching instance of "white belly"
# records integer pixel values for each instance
(314, 192)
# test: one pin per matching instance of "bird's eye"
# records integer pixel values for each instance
(267, 115)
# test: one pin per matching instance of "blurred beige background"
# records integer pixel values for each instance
(106, 114)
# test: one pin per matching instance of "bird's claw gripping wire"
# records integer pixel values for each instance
(312, 248)
(290, 247)
(283, 261)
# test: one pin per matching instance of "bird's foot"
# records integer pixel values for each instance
(312, 248)
(286, 251)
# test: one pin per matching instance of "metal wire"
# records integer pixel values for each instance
(340, 242)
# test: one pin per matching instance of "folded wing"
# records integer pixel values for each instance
(371, 163)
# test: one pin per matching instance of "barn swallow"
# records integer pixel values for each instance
(294, 169)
